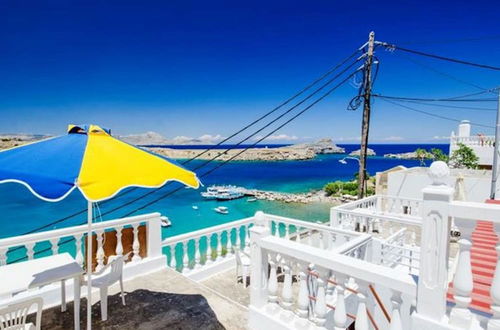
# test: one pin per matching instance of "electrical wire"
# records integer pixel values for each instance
(432, 114)
(392, 47)
(323, 76)
(432, 99)
(341, 63)
(206, 163)
(449, 106)
(260, 140)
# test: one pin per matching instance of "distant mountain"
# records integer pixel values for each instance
(153, 138)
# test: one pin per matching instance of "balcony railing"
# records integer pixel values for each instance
(331, 294)
(368, 213)
(192, 251)
(72, 240)
(482, 141)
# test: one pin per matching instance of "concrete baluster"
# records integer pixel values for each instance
(303, 298)
(136, 245)
(78, 249)
(100, 251)
(238, 238)
(185, 256)
(462, 281)
(119, 245)
(219, 245)
(213, 248)
(494, 322)
(260, 263)
(287, 231)
(30, 250)
(272, 283)
(320, 305)
(197, 255)
(173, 261)
(286, 293)
(362, 321)
(247, 238)
(54, 246)
(3, 256)
(229, 243)
(297, 234)
(396, 323)
(340, 314)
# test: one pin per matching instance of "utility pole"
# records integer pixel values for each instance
(494, 169)
(366, 116)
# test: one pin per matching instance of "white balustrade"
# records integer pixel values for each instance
(19, 248)
(316, 288)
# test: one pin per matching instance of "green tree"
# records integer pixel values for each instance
(464, 157)
(439, 155)
(421, 155)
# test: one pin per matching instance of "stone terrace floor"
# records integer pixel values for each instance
(162, 300)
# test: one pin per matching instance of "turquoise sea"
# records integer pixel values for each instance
(21, 212)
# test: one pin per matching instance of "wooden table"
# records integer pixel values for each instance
(18, 277)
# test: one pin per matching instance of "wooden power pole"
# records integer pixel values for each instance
(366, 116)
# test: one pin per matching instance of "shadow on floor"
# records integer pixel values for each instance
(144, 310)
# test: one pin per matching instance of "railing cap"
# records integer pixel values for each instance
(439, 173)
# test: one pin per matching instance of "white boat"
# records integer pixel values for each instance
(221, 210)
(252, 199)
(165, 221)
(223, 192)
(194, 207)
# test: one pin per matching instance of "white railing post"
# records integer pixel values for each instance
(433, 276)
(258, 277)
(362, 321)
(340, 316)
(494, 322)
(154, 237)
(135, 244)
(460, 315)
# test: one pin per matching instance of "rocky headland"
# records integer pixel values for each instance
(369, 152)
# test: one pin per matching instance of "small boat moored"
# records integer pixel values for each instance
(165, 221)
(195, 207)
(252, 199)
(221, 210)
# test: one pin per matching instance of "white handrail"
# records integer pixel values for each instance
(71, 231)
(205, 231)
(475, 211)
(356, 268)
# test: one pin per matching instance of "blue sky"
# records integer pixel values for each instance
(192, 68)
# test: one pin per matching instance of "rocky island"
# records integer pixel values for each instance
(369, 152)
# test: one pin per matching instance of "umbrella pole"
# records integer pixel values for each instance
(89, 265)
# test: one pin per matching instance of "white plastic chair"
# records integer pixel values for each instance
(13, 316)
(109, 275)
(243, 264)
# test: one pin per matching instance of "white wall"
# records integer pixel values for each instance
(409, 183)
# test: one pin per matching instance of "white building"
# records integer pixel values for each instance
(482, 145)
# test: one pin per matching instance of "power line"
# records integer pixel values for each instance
(456, 99)
(447, 75)
(423, 42)
(260, 140)
(341, 63)
(279, 106)
(392, 47)
(207, 162)
(432, 114)
(449, 106)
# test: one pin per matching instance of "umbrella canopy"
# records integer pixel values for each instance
(90, 159)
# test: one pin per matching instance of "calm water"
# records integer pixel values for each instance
(21, 212)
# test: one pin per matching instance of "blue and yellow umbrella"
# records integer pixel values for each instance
(88, 158)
